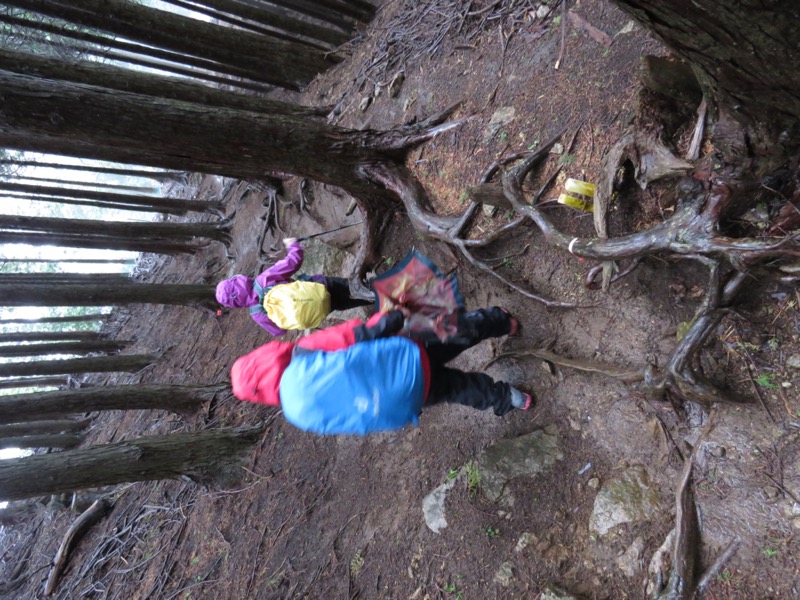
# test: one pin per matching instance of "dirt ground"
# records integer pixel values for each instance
(341, 517)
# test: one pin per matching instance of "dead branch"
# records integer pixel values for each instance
(79, 528)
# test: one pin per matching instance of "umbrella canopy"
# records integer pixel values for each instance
(430, 300)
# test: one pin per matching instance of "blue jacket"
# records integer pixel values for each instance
(371, 386)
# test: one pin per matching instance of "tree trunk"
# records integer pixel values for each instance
(64, 278)
(65, 118)
(219, 232)
(43, 427)
(81, 261)
(61, 441)
(98, 295)
(129, 363)
(12, 384)
(733, 49)
(267, 15)
(182, 399)
(107, 48)
(174, 206)
(67, 319)
(81, 347)
(128, 80)
(31, 67)
(83, 185)
(47, 336)
(93, 204)
(99, 243)
(290, 65)
(203, 456)
(238, 22)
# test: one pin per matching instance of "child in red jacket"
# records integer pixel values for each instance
(360, 377)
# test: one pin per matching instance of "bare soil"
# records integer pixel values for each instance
(341, 517)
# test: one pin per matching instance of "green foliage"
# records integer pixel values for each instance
(492, 531)
(765, 380)
(567, 159)
(473, 478)
(770, 552)
(356, 564)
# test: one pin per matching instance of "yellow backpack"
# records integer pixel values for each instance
(297, 305)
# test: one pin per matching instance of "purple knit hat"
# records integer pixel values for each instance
(237, 292)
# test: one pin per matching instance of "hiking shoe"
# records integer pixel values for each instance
(520, 399)
(515, 327)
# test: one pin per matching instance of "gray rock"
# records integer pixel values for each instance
(433, 505)
(502, 117)
(630, 562)
(793, 361)
(504, 575)
(552, 592)
(526, 455)
(626, 498)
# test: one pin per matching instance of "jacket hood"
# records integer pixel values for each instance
(237, 292)
(256, 377)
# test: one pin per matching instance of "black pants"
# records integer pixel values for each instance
(339, 289)
(477, 390)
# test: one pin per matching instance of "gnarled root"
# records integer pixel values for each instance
(679, 377)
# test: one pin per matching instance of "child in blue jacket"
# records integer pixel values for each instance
(361, 377)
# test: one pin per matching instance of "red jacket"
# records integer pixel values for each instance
(256, 377)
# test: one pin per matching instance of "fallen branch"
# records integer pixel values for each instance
(99, 509)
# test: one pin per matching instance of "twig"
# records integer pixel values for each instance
(783, 489)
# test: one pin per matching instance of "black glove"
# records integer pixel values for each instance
(387, 326)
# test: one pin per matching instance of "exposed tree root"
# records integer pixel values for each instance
(449, 229)
(683, 543)
(79, 528)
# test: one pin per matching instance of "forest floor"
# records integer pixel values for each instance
(341, 517)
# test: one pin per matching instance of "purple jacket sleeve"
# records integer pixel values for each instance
(265, 322)
(282, 270)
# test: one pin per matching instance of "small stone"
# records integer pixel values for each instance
(627, 498)
(542, 11)
(525, 540)
(593, 483)
(557, 149)
(552, 592)
(365, 102)
(793, 361)
(504, 574)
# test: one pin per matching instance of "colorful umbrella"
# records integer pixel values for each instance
(430, 300)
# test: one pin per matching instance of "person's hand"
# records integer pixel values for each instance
(289, 241)
(394, 320)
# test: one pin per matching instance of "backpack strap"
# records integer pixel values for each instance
(261, 292)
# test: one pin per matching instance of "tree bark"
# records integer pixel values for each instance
(129, 363)
(290, 65)
(203, 456)
(80, 347)
(99, 295)
(182, 399)
(732, 48)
